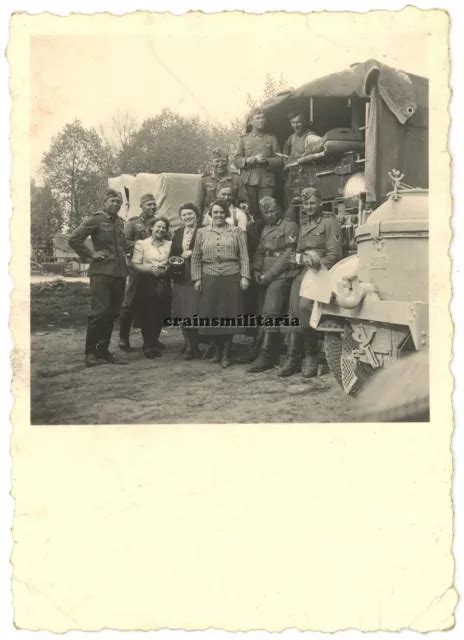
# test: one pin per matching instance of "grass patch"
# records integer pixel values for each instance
(59, 305)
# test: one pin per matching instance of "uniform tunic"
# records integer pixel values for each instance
(137, 229)
(107, 233)
(219, 260)
(259, 181)
(210, 186)
(107, 275)
(322, 235)
(254, 144)
(273, 260)
(294, 147)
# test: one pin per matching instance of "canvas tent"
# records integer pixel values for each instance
(170, 191)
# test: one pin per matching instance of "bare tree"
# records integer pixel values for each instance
(118, 133)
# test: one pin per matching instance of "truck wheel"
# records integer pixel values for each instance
(333, 347)
(350, 374)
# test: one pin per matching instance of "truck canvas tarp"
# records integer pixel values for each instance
(391, 104)
(169, 189)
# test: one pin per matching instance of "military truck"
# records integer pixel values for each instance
(372, 171)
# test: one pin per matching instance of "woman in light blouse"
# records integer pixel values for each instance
(153, 296)
(220, 272)
(184, 297)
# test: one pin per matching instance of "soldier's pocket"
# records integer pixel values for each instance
(267, 149)
(318, 240)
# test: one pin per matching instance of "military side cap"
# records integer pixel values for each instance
(146, 198)
(219, 153)
(309, 192)
(112, 193)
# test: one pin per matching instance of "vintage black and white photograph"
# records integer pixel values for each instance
(230, 313)
(240, 234)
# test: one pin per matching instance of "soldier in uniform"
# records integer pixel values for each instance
(295, 147)
(137, 228)
(236, 217)
(257, 160)
(107, 271)
(220, 173)
(319, 247)
(273, 272)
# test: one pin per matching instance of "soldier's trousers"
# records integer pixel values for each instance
(298, 307)
(254, 195)
(107, 293)
(127, 310)
(273, 300)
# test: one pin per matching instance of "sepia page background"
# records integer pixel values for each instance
(236, 527)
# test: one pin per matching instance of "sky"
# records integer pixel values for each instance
(196, 64)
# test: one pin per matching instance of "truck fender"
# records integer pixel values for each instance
(321, 285)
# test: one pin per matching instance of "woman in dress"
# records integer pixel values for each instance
(153, 297)
(220, 273)
(184, 297)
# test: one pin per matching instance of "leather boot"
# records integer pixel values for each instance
(266, 357)
(125, 324)
(309, 364)
(194, 343)
(255, 348)
(218, 345)
(226, 359)
(292, 362)
(187, 344)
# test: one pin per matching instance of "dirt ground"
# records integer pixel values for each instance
(169, 389)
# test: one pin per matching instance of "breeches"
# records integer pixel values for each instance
(254, 195)
(274, 298)
(107, 293)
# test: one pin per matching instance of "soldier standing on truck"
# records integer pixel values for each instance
(137, 228)
(107, 271)
(257, 160)
(295, 147)
(319, 248)
(220, 174)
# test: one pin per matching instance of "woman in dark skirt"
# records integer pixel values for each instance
(184, 297)
(220, 272)
(153, 295)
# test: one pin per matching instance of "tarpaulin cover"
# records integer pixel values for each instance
(403, 93)
(169, 189)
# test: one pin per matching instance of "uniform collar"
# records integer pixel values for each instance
(146, 220)
(272, 225)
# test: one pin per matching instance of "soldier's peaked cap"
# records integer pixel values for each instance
(147, 197)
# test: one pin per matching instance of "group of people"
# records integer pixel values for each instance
(241, 253)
